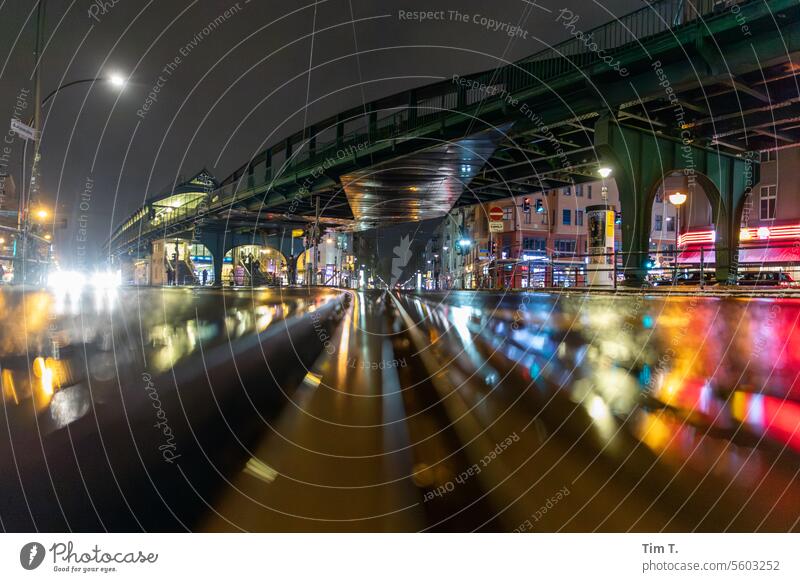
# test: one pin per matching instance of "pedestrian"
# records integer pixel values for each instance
(205, 277)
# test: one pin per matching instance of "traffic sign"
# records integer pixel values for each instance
(496, 213)
(26, 132)
(496, 226)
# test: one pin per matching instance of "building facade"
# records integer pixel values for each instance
(9, 208)
(541, 240)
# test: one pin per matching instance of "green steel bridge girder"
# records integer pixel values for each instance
(597, 93)
(641, 160)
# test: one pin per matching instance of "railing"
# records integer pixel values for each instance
(611, 270)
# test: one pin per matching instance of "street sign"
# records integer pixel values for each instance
(26, 132)
(298, 232)
(496, 213)
(496, 226)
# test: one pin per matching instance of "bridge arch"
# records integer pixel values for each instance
(181, 261)
(254, 263)
(702, 210)
(640, 162)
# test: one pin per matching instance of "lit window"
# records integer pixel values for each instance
(533, 244)
(564, 247)
(769, 199)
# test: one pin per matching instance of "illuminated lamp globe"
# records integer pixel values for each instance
(677, 198)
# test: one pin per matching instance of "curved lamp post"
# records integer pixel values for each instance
(677, 199)
(114, 79)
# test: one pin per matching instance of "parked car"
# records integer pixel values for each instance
(767, 279)
(693, 278)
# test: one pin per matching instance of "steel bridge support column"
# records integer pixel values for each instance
(215, 242)
(624, 155)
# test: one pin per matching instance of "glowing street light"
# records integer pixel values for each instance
(604, 172)
(117, 80)
(41, 214)
(677, 198)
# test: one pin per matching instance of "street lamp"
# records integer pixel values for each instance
(115, 79)
(604, 172)
(677, 199)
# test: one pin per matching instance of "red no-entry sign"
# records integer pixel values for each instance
(495, 213)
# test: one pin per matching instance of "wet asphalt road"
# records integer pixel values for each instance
(445, 412)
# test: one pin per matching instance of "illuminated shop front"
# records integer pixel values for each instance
(762, 248)
(254, 264)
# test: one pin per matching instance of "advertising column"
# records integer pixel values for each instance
(600, 248)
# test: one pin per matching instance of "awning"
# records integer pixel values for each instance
(758, 256)
(783, 254)
(693, 257)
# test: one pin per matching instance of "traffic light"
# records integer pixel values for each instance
(617, 218)
(539, 206)
(526, 205)
(492, 247)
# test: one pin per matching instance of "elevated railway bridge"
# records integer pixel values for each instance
(692, 86)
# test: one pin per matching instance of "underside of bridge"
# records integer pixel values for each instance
(420, 186)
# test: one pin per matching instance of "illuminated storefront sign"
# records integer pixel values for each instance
(754, 234)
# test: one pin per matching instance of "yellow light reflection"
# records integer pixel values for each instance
(260, 470)
(601, 415)
(47, 382)
(312, 380)
(654, 432)
(9, 390)
(38, 367)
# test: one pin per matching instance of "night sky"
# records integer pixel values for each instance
(241, 84)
